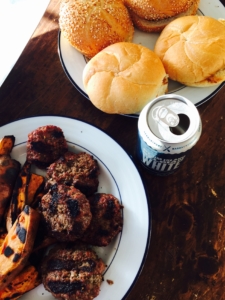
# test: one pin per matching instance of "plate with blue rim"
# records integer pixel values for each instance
(120, 177)
(73, 62)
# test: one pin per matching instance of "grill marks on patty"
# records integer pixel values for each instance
(73, 272)
(58, 287)
(69, 265)
(66, 212)
(65, 208)
(79, 170)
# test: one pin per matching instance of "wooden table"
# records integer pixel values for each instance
(186, 258)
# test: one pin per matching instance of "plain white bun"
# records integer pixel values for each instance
(92, 25)
(192, 50)
(124, 77)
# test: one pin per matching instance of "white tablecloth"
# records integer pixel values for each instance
(18, 20)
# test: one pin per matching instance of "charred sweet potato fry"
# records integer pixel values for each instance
(18, 199)
(6, 144)
(35, 187)
(25, 281)
(26, 190)
(9, 170)
(2, 238)
(18, 245)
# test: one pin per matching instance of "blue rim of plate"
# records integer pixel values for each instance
(65, 69)
(141, 177)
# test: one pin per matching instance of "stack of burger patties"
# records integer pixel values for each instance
(154, 15)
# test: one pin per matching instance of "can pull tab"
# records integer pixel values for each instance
(166, 115)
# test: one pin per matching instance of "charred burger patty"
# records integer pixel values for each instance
(80, 170)
(106, 220)
(45, 145)
(73, 272)
(66, 212)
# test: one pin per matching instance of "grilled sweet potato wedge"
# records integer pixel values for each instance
(6, 144)
(2, 238)
(18, 199)
(9, 170)
(35, 188)
(18, 245)
(26, 190)
(25, 281)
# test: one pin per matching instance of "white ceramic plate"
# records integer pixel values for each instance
(73, 62)
(125, 255)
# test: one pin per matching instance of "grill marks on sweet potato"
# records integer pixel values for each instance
(21, 233)
(17, 245)
(18, 199)
(26, 190)
(8, 251)
(16, 257)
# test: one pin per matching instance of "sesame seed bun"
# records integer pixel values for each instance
(92, 25)
(154, 15)
(192, 50)
(124, 77)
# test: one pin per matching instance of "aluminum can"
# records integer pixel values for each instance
(168, 127)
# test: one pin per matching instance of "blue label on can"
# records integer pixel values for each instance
(158, 162)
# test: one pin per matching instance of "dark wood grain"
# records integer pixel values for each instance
(186, 258)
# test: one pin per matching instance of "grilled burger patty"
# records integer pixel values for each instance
(106, 220)
(80, 170)
(72, 272)
(66, 212)
(45, 145)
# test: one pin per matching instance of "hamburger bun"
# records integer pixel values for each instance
(154, 15)
(192, 50)
(92, 25)
(124, 77)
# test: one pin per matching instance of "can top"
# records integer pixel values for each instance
(173, 118)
